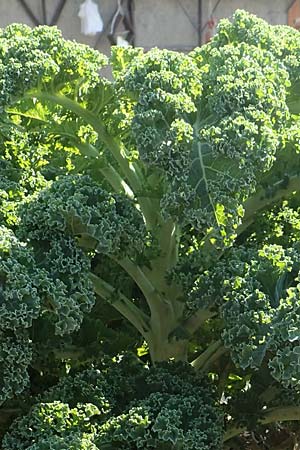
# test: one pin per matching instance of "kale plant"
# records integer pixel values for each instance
(149, 248)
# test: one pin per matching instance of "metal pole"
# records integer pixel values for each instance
(200, 11)
(58, 12)
(44, 12)
(29, 12)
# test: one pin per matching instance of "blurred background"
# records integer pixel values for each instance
(173, 24)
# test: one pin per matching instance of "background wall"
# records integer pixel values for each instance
(274, 11)
(172, 24)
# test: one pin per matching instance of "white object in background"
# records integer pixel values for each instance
(121, 42)
(91, 20)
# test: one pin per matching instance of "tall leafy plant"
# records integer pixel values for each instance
(154, 215)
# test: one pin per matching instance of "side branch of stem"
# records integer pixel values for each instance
(106, 169)
(98, 126)
(194, 322)
(278, 414)
(207, 358)
(147, 287)
(121, 303)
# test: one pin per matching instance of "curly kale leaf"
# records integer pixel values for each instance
(15, 356)
(53, 280)
(260, 298)
(19, 281)
(76, 441)
(125, 406)
(66, 288)
(210, 124)
(81, 388)
(285, 364)
(20, 305)
(40, 56)
(78, 206)
(256, 290)
(282, 41)
(21, 159)
(54, 283)
(170, 410)
(52, 424)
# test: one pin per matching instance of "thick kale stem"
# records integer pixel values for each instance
(116, 182)
(163, 315)
(207, 358)
(121, 303)
(137, 274)
(278, 414)
(168, 240)
(158, 306)
(163, 350)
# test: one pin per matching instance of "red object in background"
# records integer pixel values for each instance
(210, 29)
(294, 15)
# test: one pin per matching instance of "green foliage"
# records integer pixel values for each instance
(34, 286)
(40, 55)
(156, 215)
(78, 206)
(161, 409)
(45, 420)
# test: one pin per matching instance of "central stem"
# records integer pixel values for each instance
(164, 350)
